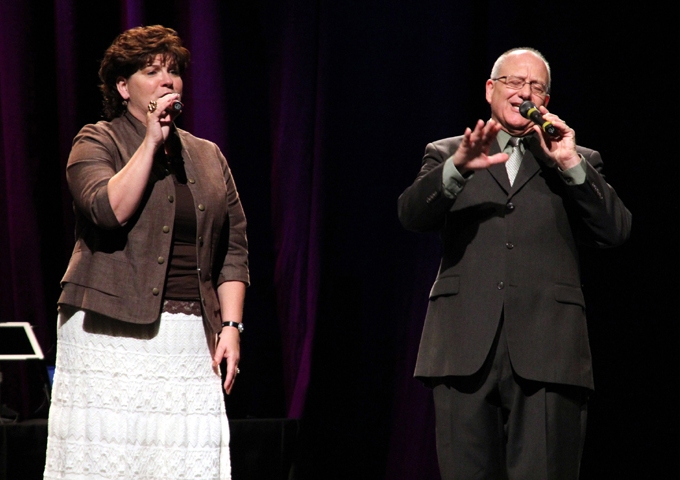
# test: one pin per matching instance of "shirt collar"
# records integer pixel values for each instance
(503, 138)
(136, 125)
(140, 128)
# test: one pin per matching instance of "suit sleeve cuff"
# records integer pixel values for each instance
(575, 175)
(452, 180)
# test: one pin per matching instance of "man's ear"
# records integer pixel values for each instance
(489, 90)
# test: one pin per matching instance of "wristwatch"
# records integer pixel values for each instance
(237, 325)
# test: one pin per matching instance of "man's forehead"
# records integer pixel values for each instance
(520, 60)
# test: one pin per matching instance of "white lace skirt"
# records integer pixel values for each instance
(136, 402)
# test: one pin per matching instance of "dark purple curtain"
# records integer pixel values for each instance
(323, 110)
(296, 176)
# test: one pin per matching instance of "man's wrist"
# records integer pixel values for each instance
(571, 162)
(575, 175)
(453, 180)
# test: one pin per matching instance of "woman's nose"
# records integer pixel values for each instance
(166, 78)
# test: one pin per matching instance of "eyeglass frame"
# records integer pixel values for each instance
(504, 80)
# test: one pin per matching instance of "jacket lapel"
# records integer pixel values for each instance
(528, 168)
(498, 171)
(531, 164)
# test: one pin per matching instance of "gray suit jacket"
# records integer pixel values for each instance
(511, 251)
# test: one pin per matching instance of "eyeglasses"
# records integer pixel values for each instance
(517, 83)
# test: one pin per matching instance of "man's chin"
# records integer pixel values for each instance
(519, 129)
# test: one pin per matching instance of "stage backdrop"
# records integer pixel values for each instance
(323, 110)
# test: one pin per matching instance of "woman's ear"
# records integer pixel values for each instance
(122, 86)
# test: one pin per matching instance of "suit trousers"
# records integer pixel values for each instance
(497, 425)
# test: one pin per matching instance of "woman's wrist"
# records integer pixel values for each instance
(236, 325)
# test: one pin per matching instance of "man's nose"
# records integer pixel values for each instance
(525, 91)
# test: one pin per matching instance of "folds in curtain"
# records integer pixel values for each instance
(296, 193)
(22, 297)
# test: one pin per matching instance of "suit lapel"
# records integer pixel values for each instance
(498, 171)
(528, 168)
(531, 164)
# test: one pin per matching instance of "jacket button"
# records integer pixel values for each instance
(161, 260)
(166, 229)
(510, 206)
(201, 207)
(191, 180)
(155, 291)
(432, 197)
(510, 245)
(500, 286)
(171, 198)
(200, 240)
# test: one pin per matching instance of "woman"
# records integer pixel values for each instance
(155, 286)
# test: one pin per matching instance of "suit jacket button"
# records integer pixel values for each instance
(155, 291)
(510, 206)
(510, 245)
(500, 285)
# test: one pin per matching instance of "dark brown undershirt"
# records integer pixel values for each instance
(182, 277)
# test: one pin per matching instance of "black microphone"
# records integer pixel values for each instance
(177, 106)
(530, 110)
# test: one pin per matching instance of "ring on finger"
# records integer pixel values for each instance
(152, 106)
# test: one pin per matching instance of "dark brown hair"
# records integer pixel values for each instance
(133, 50)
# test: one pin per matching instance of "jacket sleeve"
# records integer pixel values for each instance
(606, 220)
(234, 242)
(90, 166)
(423, 206)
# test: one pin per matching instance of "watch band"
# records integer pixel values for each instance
(236, 325)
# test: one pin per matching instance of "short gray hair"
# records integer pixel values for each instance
(499, 62)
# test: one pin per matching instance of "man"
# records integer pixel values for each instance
(505, 342)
